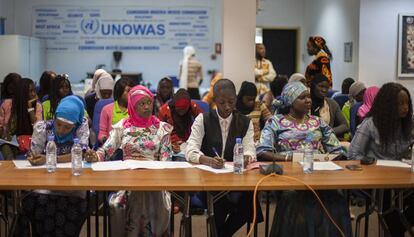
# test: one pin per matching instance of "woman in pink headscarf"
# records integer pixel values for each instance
(141, 136)
(367, 102)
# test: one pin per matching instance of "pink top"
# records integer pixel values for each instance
(105, 122)
(110, 115)
(5, 112)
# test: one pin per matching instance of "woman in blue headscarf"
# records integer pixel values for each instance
(298, 213)
(54, 213)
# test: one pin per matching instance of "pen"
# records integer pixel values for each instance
(216, 153)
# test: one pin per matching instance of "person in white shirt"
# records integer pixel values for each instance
(219, 129)
(263, 71)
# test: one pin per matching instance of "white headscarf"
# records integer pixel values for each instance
(96, 76)
(104, 82)
(297, 77)
(189, 52)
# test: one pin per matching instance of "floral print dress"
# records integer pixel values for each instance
(298, 212)
(145, 213)
(291, 136)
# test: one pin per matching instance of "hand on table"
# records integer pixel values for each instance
(90, 156)
(36, 159)
(216, 162)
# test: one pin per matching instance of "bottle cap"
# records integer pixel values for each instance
(76, 140)
(238, 140)
(50, 138)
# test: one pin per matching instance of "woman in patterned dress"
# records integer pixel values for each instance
(322, 62)
(297, 212)
(141, 136)
(58, 213)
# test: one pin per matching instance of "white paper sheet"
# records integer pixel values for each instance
(298, 157)
(135, 164)
(228, 168)
(393, 163)
(328, 165)
(109, 165)
(25, 164)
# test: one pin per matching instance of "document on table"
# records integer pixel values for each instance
(298, 156)
(322, 165)
(393, 163)
(329, 165)
(137, 164)
(228, 168)
(25, 164)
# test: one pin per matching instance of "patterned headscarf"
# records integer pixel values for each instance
(319, 41)
(290, 93)
(136, 94)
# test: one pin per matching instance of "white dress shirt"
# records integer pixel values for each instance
(195, 140)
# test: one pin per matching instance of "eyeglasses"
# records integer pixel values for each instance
(63, 76)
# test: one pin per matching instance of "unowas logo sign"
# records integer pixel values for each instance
(89, 26)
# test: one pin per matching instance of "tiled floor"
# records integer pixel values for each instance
(199, 224)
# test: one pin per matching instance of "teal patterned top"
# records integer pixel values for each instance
(288, 135)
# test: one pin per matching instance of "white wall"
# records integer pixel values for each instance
(280, 14)
(239, 28)
(338, 22)
(153, 65)
(283, 14)
(379, 41)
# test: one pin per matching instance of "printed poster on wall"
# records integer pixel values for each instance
(406, 46)
(160, 29)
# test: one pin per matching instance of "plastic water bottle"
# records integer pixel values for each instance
(308, 157)
(76, 153)
(238, 157)
(51, 154)
(412, 159)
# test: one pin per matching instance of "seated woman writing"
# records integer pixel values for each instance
(298, 213)
(385, 134)
(58, 213)
(141, 136)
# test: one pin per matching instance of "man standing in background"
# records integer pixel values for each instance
(263, 71)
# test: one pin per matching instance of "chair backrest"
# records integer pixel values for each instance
(341, 99)
(97, 113)
(353, 119)
(175, 81)
(203, 105)
(82, 99)
(331, 93)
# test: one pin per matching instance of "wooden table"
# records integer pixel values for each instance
(371, 177)
(197, 180)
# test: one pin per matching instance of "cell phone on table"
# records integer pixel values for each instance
(354, 167)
